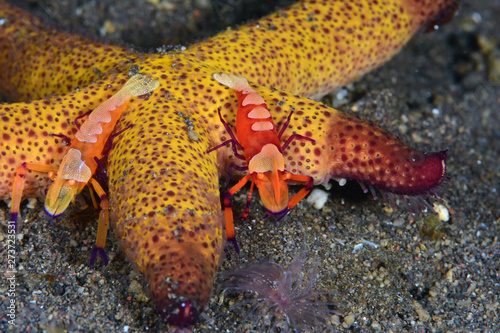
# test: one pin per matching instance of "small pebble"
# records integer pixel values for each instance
(423, 315)
(349, 320)
(449, 275)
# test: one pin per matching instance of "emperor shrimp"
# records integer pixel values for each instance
(82, 159)
(257, 136)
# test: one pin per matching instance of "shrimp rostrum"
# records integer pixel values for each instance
(82, 159)
(257, 136)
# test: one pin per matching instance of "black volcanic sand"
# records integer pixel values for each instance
(441, 92)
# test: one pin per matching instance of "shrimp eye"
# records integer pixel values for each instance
(260, 175)
(71, 182)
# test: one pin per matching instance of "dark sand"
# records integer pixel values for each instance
(424, 275)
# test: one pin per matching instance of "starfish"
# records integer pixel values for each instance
(163, 186)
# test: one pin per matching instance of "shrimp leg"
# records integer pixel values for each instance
(102, 228)
(228, 211)
(18, 187)
(303, 192)
(233, 141)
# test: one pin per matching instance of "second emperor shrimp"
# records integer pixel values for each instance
(257, 136)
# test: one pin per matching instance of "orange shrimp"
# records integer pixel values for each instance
(258, 138)
(82, 159)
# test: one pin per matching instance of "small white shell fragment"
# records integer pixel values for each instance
(370, 243)
(357, 247)
(317, 198)
(443, 213)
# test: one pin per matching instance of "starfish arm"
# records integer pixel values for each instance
(346, 147)
(314, 47)
(308, 49)
(38, 61)
(164, 191)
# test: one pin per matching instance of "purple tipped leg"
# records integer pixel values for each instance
(13, 218)
(235, 244)
(97, 250)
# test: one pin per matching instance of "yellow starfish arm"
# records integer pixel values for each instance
(309, 49)
(37, 61)
(315, 47)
